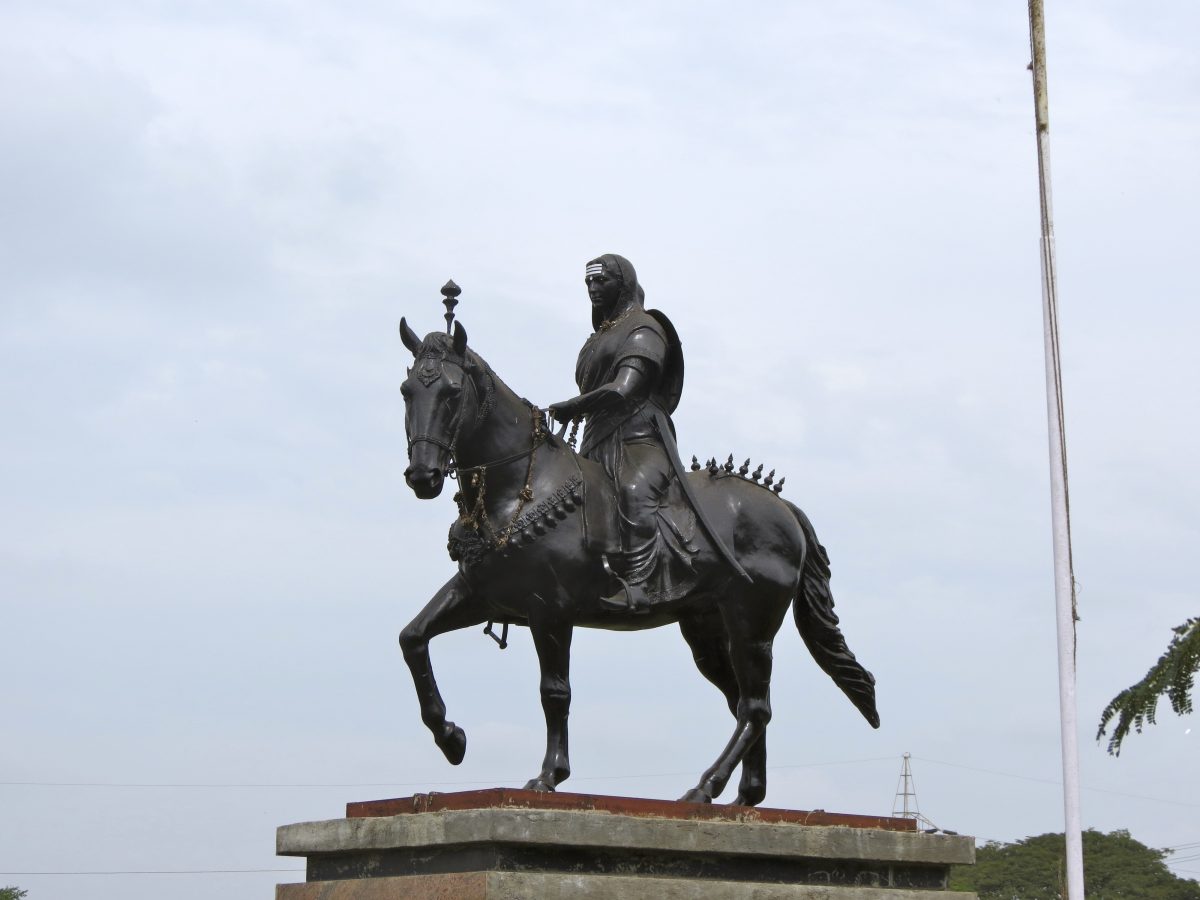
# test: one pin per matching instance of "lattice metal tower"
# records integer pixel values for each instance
(905, 805)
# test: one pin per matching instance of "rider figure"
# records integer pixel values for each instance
(630, 372)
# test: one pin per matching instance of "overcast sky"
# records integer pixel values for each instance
(212, 216)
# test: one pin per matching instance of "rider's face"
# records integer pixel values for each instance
(604, 290)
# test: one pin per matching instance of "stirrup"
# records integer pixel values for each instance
(626, 598)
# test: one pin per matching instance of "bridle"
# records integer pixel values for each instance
(483, 407)
(450, 446)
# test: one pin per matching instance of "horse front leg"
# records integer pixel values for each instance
(453, 607)
(553, 643)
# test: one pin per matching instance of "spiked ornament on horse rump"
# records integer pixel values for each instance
(535, 520)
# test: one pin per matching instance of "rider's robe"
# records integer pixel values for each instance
(657, 525)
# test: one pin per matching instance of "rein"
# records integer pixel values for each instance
(477, 517)
(520, 454)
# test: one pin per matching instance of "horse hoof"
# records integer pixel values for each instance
(453, 743)
(539, 785)
(751, 794)
(695, 795)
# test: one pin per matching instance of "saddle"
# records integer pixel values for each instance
(587, 493)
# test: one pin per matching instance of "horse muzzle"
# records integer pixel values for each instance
(425, 482)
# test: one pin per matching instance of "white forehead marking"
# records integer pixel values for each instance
(594, 269)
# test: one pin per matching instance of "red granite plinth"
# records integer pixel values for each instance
(510, 798)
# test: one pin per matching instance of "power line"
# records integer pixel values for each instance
(164, 784)
(1052, 781)
(383, 784)
(152, 785)
(160, 872)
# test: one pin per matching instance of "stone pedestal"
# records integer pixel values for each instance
(521, 845)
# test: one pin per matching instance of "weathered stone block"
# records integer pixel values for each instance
(499, 844)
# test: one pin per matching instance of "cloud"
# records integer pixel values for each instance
(213, 215)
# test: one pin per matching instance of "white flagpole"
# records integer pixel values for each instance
(1064, 577)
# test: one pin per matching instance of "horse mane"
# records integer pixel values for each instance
(438, 345)
(441, 346)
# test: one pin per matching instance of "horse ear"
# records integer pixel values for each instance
(411, 341)
(460, 339)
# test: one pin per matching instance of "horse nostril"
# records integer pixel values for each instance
(414, 475)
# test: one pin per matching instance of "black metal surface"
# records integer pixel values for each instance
(609, 537)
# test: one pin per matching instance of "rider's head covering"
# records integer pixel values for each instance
(618, 266)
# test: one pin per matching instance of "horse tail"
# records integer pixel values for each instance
(818, 626)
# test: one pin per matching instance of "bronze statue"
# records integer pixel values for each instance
(630, 377)
(616, 536)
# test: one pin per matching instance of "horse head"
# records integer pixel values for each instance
(439, 410)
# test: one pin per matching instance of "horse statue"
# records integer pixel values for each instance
(535, 522)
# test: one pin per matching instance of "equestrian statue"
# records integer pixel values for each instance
(617, 535)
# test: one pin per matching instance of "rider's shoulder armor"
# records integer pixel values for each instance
(645, 340)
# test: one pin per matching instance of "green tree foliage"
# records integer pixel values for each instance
(1173, 675)
(12, 893)
(1114, 866)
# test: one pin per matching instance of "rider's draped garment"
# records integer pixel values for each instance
(657, 524)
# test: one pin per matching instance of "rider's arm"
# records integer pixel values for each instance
(632, 381)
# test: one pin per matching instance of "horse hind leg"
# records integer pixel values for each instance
(706, 636)
(752, 621)
(453, 607)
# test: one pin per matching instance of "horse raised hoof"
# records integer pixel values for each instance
(695, 795)
(453, 743)
(540, 785)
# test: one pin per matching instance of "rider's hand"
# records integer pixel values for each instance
(564, 412)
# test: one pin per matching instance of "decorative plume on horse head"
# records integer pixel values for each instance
(617, 535)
